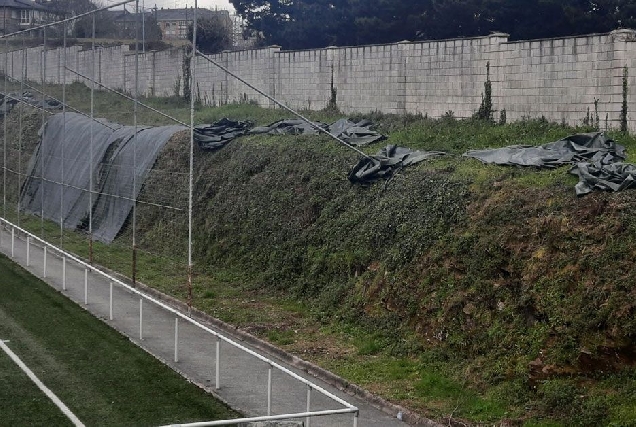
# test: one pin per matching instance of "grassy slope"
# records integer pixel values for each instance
(464, 290)
(92, 368)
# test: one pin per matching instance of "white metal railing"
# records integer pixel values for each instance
(308, 414)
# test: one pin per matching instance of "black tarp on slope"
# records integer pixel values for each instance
(614, 177)
(219, 133)
(597, 160)
(357, 134)
(585, 147)
(112, 165)
(387, 162)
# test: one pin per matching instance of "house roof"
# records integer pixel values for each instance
(23, 4)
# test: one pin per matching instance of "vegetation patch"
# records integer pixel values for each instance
(467, 292)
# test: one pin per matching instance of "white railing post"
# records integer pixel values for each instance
(28, 251)
(44, 263)
(64, 272)
(141, 318)
(269, 390)
(110, 302)
(218, 364)
(12, 242)
(308, 419)
(355, 418)
(85, 286)
(176, 340)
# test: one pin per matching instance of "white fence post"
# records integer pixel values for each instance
(269, 390)
(141, 318)
(176, 340)
(85, 286)
(218, 363)
(64, 272)
(28, 251)
(12, 242)
(110, 302)
(308, 419)
(44, 262)
(355, 419)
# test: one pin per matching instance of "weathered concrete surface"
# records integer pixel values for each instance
(559, 78)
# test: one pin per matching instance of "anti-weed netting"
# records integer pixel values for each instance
(60, 188)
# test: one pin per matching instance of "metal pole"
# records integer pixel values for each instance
(218, 364)
(85, 286)
(134, 142)
(176, 339)
(355, 419)
(143, 25)
(269, 390)
(43, 78)
(4, 125)
(191, 171)
(90, 151)
(141, 318)
(62, 145)
(20, 108)
(44, 263)
(308, 419)
(64, 273)
(110, 302)
(28, 251)
(12, 242)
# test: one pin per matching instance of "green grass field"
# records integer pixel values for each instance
(100, 375)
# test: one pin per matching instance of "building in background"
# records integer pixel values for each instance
(240, 39)
(16, 15)
(173, 23)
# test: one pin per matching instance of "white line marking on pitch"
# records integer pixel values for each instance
(41, 385)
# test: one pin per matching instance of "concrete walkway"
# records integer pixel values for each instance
(243, 378)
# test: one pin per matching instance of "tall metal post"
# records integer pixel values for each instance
(43, 82)
(20, 108)
(90, 151)
(191, 172)
(134, 142)
(63, 139)
(143, 25)
(4, 125)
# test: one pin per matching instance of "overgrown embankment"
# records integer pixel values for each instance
(459, 290)
(529, 290)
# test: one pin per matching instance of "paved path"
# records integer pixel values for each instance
(243, 378)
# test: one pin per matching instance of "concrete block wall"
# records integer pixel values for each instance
(302, 79)
(561, 78)
(555, 78)
(255, 66)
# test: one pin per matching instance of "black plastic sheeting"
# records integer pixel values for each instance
(10, 100)
(614, 177)
(387, 162)
(113, 157)
(356, 134)
(289, 127)
(597, 160)
(216, 135)
(584, 147)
